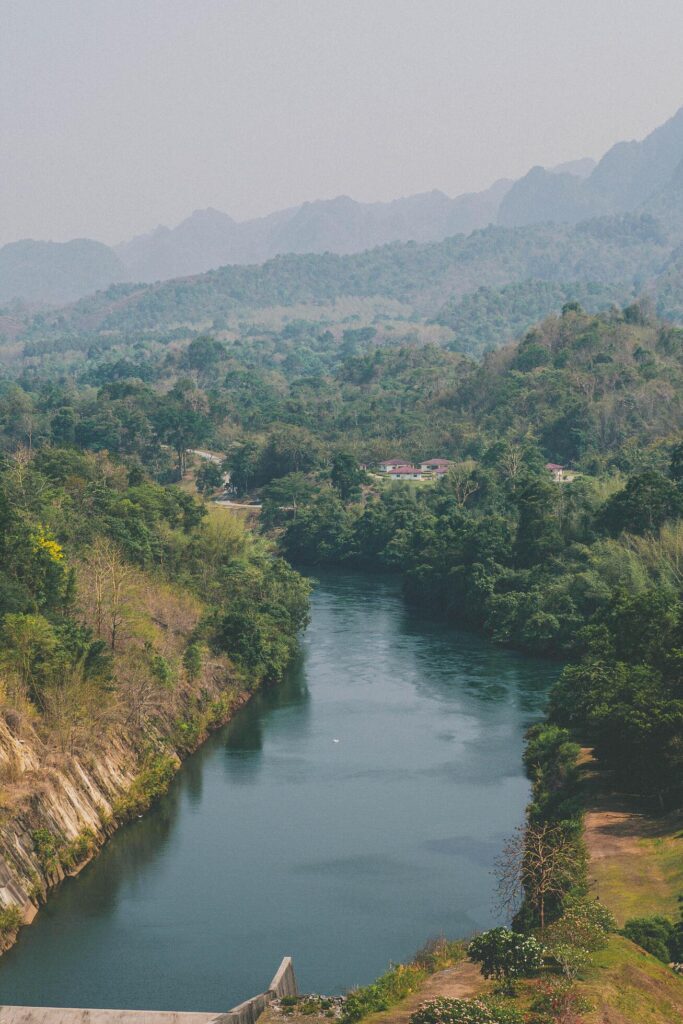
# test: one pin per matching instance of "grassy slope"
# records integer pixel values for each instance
(635, 858)
(636, 862)
(628, 986)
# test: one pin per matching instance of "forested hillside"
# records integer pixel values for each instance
(53, 272)
(133, 615)
(629, 174)
(485, 288)
(498, 543)
(131, 624)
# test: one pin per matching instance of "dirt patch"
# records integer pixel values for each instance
(636, 861)
(636, 857)
(460, 982)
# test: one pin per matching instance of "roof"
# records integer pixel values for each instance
(406, 469)
(435, 462)
(394, 462)
(553, 466)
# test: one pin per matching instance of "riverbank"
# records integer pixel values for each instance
(59, 809)
(274, 837)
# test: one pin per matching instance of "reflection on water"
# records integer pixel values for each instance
(343, 817)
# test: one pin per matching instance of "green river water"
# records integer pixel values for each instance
(343, 818)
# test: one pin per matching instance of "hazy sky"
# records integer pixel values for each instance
(117, 115)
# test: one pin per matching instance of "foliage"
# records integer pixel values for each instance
(150, 783)
(506, 955)
(467, 1011)
(209, 477)
(585, 923)
(390, 988)
(559, 998)
(46, 845)
(658, 935)
(572, 959)
(76, 851)
(10, 920)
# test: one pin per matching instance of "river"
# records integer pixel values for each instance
(344, 818)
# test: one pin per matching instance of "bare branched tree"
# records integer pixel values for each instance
(110, 578)
(463, 482)
(538, 863)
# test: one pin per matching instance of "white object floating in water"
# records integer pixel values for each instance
(335, 741)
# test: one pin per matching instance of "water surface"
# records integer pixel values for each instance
(343, 818)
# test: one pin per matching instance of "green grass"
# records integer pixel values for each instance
(630, 986)
(624, 985)
(645, 879)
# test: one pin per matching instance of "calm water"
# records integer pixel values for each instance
(343, 818)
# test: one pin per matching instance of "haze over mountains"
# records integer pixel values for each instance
(633, 177)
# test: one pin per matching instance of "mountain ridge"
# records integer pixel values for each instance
(632, 177)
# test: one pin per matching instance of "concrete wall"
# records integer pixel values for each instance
(283, 984)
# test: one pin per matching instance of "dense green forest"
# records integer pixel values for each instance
(123, 603)
(103, 539)
(484, 289)
(498, 544)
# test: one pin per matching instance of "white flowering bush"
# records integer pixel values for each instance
(585, 923)
(466, 1011)
(506, 955)
(572, 959)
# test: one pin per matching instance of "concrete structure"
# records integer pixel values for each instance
(390, 464)
(283, 984)
(405, 473)
(559, 474)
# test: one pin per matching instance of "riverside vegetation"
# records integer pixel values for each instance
(133, 623)
(588, 572)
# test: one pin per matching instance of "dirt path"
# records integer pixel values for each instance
(460, 982)
(636, 861)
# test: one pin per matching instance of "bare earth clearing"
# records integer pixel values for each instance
(636, 861)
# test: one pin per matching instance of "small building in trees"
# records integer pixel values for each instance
(559, 473)
(439, 466)
(405, 473)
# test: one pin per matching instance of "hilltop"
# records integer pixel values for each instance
(632, 179)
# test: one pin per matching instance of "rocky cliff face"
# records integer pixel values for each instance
(58, 809)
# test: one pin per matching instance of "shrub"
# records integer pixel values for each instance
(489, 1010)
(151, 783)
(390, 988)
(78, 849)
(438, 953)
(559, 998)
(46, 845)
(585, 923)
(192, 659)
(655, 934)
(506, 955)
(10, 920)
(572, 959)
(162, 670)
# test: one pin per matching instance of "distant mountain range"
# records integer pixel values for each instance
(56, 272)
(629, 175)
(642, 177)
(210, 239)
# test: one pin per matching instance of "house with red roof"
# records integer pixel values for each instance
(405, 473)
